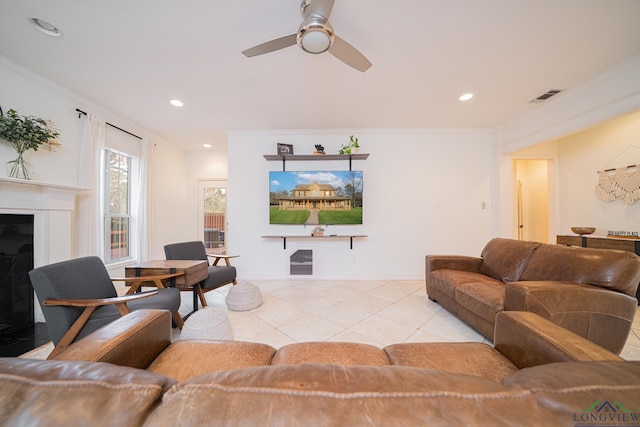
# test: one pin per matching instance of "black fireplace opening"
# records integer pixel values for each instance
(16, 295)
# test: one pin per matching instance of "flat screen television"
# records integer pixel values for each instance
(315, 197)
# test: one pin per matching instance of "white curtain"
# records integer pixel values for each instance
(143, 202)
(89, 239)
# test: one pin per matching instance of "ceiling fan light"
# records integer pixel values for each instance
(315, 41)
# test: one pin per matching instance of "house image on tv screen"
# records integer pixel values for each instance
(315, 197)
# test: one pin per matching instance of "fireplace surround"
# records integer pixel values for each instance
(52, 207)
(16, 259)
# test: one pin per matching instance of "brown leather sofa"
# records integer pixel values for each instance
(588, 291)
(530, 378)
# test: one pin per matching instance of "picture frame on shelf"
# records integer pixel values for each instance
(285, 149)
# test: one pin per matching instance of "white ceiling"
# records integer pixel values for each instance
(133, 56)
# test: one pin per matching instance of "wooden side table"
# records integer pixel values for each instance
(181, 274)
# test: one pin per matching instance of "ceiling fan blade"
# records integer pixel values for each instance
(271, 45)
(320, 8)
(349, 55)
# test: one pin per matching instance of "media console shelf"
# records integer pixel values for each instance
(303, 157)
(328, 236)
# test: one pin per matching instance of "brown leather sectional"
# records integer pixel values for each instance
(588, 291)
(130, 374)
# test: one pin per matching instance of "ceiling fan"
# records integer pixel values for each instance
(315, 35)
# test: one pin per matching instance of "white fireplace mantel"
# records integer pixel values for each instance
(29, 182)
(52, 206)
(27, 194)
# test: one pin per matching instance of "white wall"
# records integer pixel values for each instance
(423, 189)
(209, 165)
(613, 144)
(422, 194)
(612, 94)
(30, 94)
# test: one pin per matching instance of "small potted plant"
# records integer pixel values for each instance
(25, 133)
(352, 148)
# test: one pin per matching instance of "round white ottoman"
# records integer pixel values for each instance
(209, 323)
(243, 296)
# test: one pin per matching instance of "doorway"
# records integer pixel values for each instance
(532, 199)
(212, 215)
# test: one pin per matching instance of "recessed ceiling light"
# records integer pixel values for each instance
(466, 97)
(45, 27)
(177, 103)
(206, 145)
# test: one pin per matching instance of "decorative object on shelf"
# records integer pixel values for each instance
(352, 148)
(623, 234)
(285, 149)
(26, 133)
(317, 231)
(583, 230)
(319, 150)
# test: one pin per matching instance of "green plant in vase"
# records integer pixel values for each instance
(351, 148)
(25, 133)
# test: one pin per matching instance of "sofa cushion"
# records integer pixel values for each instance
(446, 281)
(610, 269)
(483, 299)
(337, 353)
(322, 395)
(583, 374)
(52, 393)
(471, 358)
(585, 393)
(186, 359)
(504, 259)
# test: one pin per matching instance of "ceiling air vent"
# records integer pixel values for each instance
(545, 96)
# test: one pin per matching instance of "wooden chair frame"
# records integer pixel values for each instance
(198, 289)
(91, 305)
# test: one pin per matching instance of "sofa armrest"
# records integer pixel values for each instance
(134, 340)
(452, 262)
(527, 339)
(601, 315)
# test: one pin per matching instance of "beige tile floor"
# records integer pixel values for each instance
(373, 312)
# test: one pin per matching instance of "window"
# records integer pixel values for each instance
(117, 209)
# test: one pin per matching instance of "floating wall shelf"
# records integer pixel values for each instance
(328, 236)
(315, 157)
